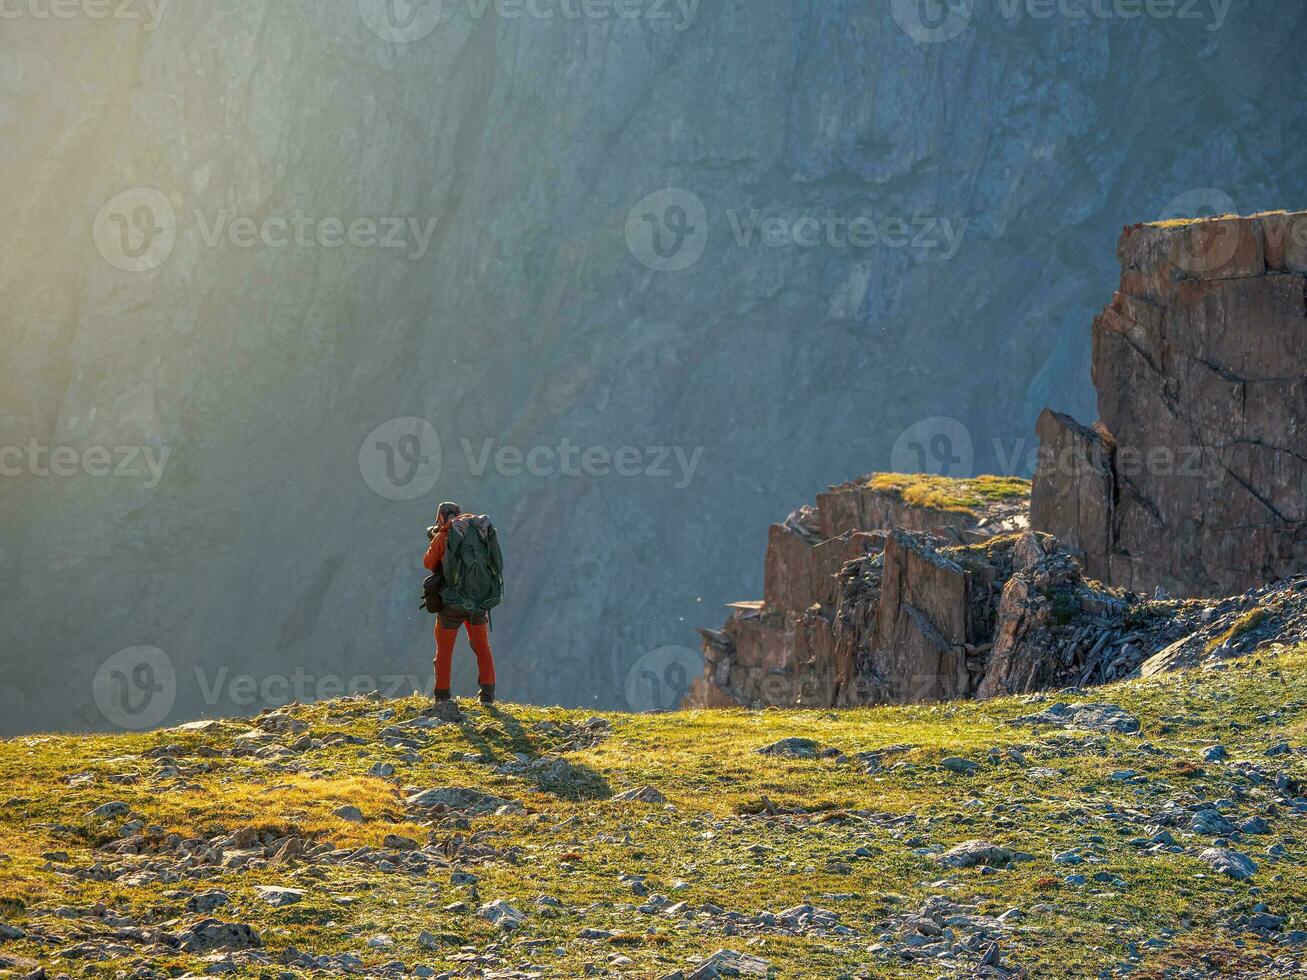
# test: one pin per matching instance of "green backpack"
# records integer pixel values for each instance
(474, 566)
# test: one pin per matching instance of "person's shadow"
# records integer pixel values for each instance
(545, 769)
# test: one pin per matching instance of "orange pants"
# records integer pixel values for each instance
(479, 636)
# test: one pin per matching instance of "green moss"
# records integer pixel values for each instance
(968, 496)
(713, 839)
(1246, 623)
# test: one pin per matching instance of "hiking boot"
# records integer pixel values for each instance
(441, 695)
(487, 694)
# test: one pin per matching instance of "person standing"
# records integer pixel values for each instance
(467, 582)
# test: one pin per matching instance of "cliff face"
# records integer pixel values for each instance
(1194, 478)
(866, 601)
(524, 319)
(1193, 481)
(915, 616)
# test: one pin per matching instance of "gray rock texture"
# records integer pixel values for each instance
(1011, 153)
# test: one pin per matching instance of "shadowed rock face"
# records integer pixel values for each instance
(526, 320)
(1194, 478)
(921, 632)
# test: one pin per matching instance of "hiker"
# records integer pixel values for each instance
(466, 582)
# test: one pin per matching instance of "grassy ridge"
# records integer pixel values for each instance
(742, 832)
(967, 496)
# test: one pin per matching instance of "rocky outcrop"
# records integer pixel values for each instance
(878, 501)
(856, 614)
(902, 588)
(1193, 481)
(911, 617)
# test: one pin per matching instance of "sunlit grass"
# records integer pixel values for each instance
(710, 845)
(967, 496)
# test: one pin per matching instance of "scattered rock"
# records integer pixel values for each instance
(446, 711)
(279, 897)
(206, 902)
(1091, 717)
(963, 767)
(209, 935)
(460, 799)
(502, 915)
(728, 963)
(1211, 823)
(211, 725)
(1255, 826)
(106, 810)
(1238, 866)
(971, 853)
(793, 748)
(645, 794)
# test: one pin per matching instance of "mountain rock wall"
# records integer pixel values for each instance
(1195, 478)
(525, 321)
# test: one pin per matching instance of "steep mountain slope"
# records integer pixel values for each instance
(525, 319)
(1155, 833)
